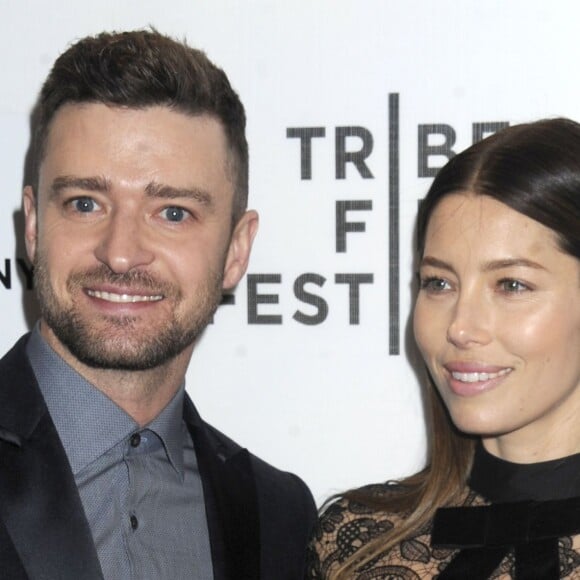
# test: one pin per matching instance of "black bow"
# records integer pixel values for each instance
(486, 534)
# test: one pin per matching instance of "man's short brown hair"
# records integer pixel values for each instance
(139, 69)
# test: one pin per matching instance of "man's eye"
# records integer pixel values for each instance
(174, 214)
(84, 204)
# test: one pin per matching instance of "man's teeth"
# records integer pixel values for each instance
(123, 298)
(476, 377)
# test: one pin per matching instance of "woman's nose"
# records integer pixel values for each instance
(470, 322)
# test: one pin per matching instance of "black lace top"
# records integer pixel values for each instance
(514, 521)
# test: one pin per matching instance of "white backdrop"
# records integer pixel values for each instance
(324, 396)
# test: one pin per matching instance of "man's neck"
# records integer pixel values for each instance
(141, 394)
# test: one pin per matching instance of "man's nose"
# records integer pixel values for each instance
(122, 246)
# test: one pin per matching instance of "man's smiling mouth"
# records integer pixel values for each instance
(124, 298)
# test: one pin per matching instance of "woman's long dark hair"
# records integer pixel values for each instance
(534, 169)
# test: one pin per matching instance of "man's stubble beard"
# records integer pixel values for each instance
(124, 344)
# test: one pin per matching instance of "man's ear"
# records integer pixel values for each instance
(30, 221)
(239, 250)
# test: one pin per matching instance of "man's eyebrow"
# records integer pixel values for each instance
(169, 192)
(83, 183)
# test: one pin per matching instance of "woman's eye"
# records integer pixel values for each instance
(84, 204)
(174, 214)
(434, 284)
(512, 286)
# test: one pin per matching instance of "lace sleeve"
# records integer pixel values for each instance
(343, 528)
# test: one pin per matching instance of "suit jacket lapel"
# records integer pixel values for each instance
(231, 501)
(41, 509)
(39, 502)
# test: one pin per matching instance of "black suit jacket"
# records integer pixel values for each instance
(259, 518)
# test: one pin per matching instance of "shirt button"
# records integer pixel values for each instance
(135, 440)
(134, 522)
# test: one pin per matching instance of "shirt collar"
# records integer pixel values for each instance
(89, 423)
(170, 427)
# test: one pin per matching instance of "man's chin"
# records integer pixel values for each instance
(125, 345)
(121, 356)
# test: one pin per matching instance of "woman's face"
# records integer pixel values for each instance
(497, 320)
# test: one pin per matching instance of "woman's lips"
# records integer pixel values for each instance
(475, 377)
(468, 379)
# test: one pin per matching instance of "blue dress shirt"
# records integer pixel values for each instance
(140, 487)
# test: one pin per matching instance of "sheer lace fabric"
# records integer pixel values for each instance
(346, 526)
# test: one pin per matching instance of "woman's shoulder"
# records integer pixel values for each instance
(352, 520)
(368, 502)
(371, 501)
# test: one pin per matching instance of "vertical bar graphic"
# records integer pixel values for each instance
(394, 327)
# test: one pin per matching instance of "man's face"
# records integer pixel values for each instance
(131, 234)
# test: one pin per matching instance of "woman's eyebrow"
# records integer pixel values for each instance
(436, 263)
(510, 263)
